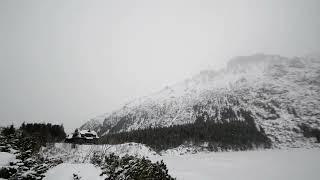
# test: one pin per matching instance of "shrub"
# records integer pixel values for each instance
(130, 167)
(7, 172)
(7, 131)
(308, 131)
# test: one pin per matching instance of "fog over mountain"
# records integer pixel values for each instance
(281, 93)
(159, 89)
(66, 62)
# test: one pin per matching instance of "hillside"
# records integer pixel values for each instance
(93, 124)
(281, 93)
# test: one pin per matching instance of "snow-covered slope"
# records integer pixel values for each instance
(76, 153)
(280, 92)
(94, 124)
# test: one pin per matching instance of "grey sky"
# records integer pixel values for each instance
(68, 61)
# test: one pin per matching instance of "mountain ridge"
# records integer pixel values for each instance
(281, 93)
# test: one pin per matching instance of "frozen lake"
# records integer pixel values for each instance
(293, 164)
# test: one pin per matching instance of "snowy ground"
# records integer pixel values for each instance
(65, 171)
(5, 158)
(293, 164)
(275, 164)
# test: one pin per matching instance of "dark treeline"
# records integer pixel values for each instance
(44, 132)
(31, 136)
(223, 135)
(26, 142)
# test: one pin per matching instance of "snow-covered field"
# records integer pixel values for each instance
(275, 164)
(66, 171)
(293, 164)
(5, 158)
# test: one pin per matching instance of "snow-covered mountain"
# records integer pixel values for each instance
(280, 92)
(93, 124)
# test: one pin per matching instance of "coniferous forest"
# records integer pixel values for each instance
(44, 133)
(26, 142)
(40, 133)
(222, 135)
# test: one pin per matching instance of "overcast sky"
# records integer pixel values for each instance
(65, 61)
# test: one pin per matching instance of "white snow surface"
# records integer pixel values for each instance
(291, 164)
(65, 171)
(6, 158)
(82, 153)
(275, 164)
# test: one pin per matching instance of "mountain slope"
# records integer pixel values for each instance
(281, 93)
(93, 124)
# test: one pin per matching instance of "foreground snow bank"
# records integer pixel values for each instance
(293, 164)
(6, 158)
(276, 164)
(66, 171)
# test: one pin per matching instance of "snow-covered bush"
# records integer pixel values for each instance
(7, 171)
(131, 167)
(96, 158)
(28, 165)
(76, 177)
(309, 131)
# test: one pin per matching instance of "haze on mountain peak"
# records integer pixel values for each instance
(66, 61)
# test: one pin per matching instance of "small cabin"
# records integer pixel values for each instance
(82, 136)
